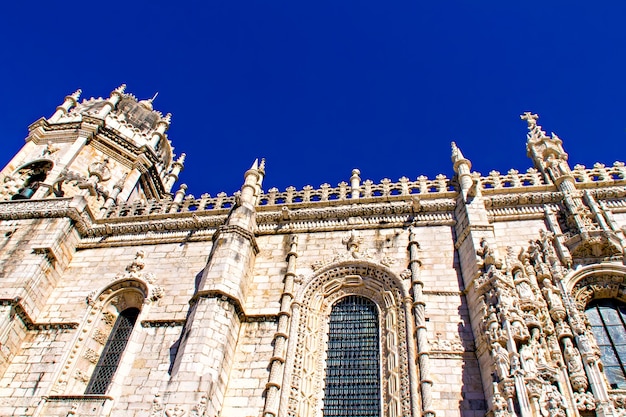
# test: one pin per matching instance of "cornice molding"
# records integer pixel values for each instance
(20, 311)
(201, 225)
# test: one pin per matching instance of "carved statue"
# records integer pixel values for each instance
(492, 321)
(524, 290)
(528, 359)
(553, 402)
(486, 252)
(501, 359)
(538, 347)
(552, 294)
(572, 357)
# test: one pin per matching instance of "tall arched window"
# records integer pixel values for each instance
(608, 322)
(352, 381)
(112, 352)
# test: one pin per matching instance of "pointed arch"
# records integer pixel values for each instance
(307, 354)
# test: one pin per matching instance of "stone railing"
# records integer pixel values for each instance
(512, 179)
(166, 206)
(366, 190)
(599, 173)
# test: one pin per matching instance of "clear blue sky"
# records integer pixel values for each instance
(321, 87)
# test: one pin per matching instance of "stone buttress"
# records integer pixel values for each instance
(209, 337)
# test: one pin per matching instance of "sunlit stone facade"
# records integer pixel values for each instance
(499, 295)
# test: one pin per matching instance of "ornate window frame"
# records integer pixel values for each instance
(303, 386)
(104, 307)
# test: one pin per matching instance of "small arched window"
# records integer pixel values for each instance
(112, 352)
(352, 382)
(608, 323)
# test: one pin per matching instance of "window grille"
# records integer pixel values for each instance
(110, 357)
(352, 382)
(608, 323)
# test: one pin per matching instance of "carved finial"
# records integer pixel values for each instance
(168, 118)
(136, 266)
(262, 165)
(457, 155)
(181, 158)
(461, 166)
(153, 97)
(535, 133)
(530, 118)
(76, 94)
(121, 89)
(120, 184)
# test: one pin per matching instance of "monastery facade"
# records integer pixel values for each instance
(500, 295)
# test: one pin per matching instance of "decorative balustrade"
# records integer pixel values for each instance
(368, 190)
(364, 191)
(165, 206)
(512, 179)
(599, 173)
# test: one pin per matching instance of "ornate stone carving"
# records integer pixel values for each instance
(499, 405)
(100, 336)
(315, 301)
(91, 355)
(108, 318)
(501, 360)
(100, 170)
(81, 376)
(406, 274)
(552, 402)
(157, 407)
(199, 409)
(176, 411)
(454, 345)
(585, 401)
(134, 272)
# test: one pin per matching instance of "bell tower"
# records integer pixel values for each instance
(107, 150)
